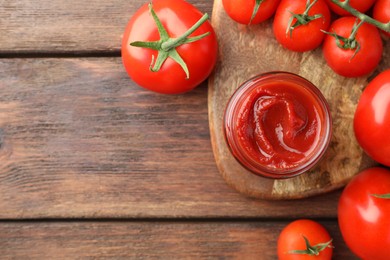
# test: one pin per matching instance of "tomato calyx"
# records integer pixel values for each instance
(381, 196)
(312, 250)
(256, 9)
(302, 19)
(166, 46)
(349, 43)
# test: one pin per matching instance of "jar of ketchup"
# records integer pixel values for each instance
(278, 125)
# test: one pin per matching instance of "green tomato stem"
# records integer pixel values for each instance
(355, 30)
(382, 196)
(349, 43)
(301, 19)
(175, 42)
(309, 6)
(312, 250)
(166, 46)
(363, 17)
(256, 9)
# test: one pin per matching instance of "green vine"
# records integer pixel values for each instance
(363, 17)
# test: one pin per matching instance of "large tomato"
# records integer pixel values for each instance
(241, 11)
(176, 16)
(304, 37)
(360, 5)
(372, 119)
(364, 218)
(353, 62)
(296, 237)
(382, 12)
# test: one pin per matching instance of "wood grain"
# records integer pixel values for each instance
(149, 240)
(246, 51)
(56, 26)
(80, 140)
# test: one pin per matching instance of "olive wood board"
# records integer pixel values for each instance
(248, 50)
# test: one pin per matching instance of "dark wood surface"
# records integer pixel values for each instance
(79, 140)
(149, 240)
(92, 166)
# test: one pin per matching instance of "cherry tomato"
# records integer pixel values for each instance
(349, 62)
(360, 5)
(241, 10)
(382, 12)
(372, 119)
(303, 37)
(364, 219)
(176, 16)
(292, 244)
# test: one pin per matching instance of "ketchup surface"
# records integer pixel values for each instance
(277, 124)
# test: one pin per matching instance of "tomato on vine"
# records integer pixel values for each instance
(169, 47)
(372, 119)
(352, 48)
(250, 11)
(298, 23)
(364, 214)
(304, 239)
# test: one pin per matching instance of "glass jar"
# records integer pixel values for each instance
(277, 125)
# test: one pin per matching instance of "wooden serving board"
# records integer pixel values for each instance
(246, 51)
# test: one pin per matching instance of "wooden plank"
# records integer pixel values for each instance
(149, 240)
(56, 26)
(79, 139)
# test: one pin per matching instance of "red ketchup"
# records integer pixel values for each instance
(278, 125)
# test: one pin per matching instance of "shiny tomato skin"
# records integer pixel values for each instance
(305, 37)
(342, 61)
(364, 220)
(372, 119)
(381, 12)
(177, 16)
(360, 5)
(291, 238)
(241, 10)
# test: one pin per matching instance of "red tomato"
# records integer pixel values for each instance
(360, 5)
(382, 12)
(364, 219)
(372, 119)
(241, 10)
(292, 238)
(177, 16)
(304, 37)
(346, 62)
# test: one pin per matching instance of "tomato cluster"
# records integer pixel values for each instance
(364, 205)
(350, 48)
(179, 46)
(363, 217)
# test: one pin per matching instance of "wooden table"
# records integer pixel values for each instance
(92, 166)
